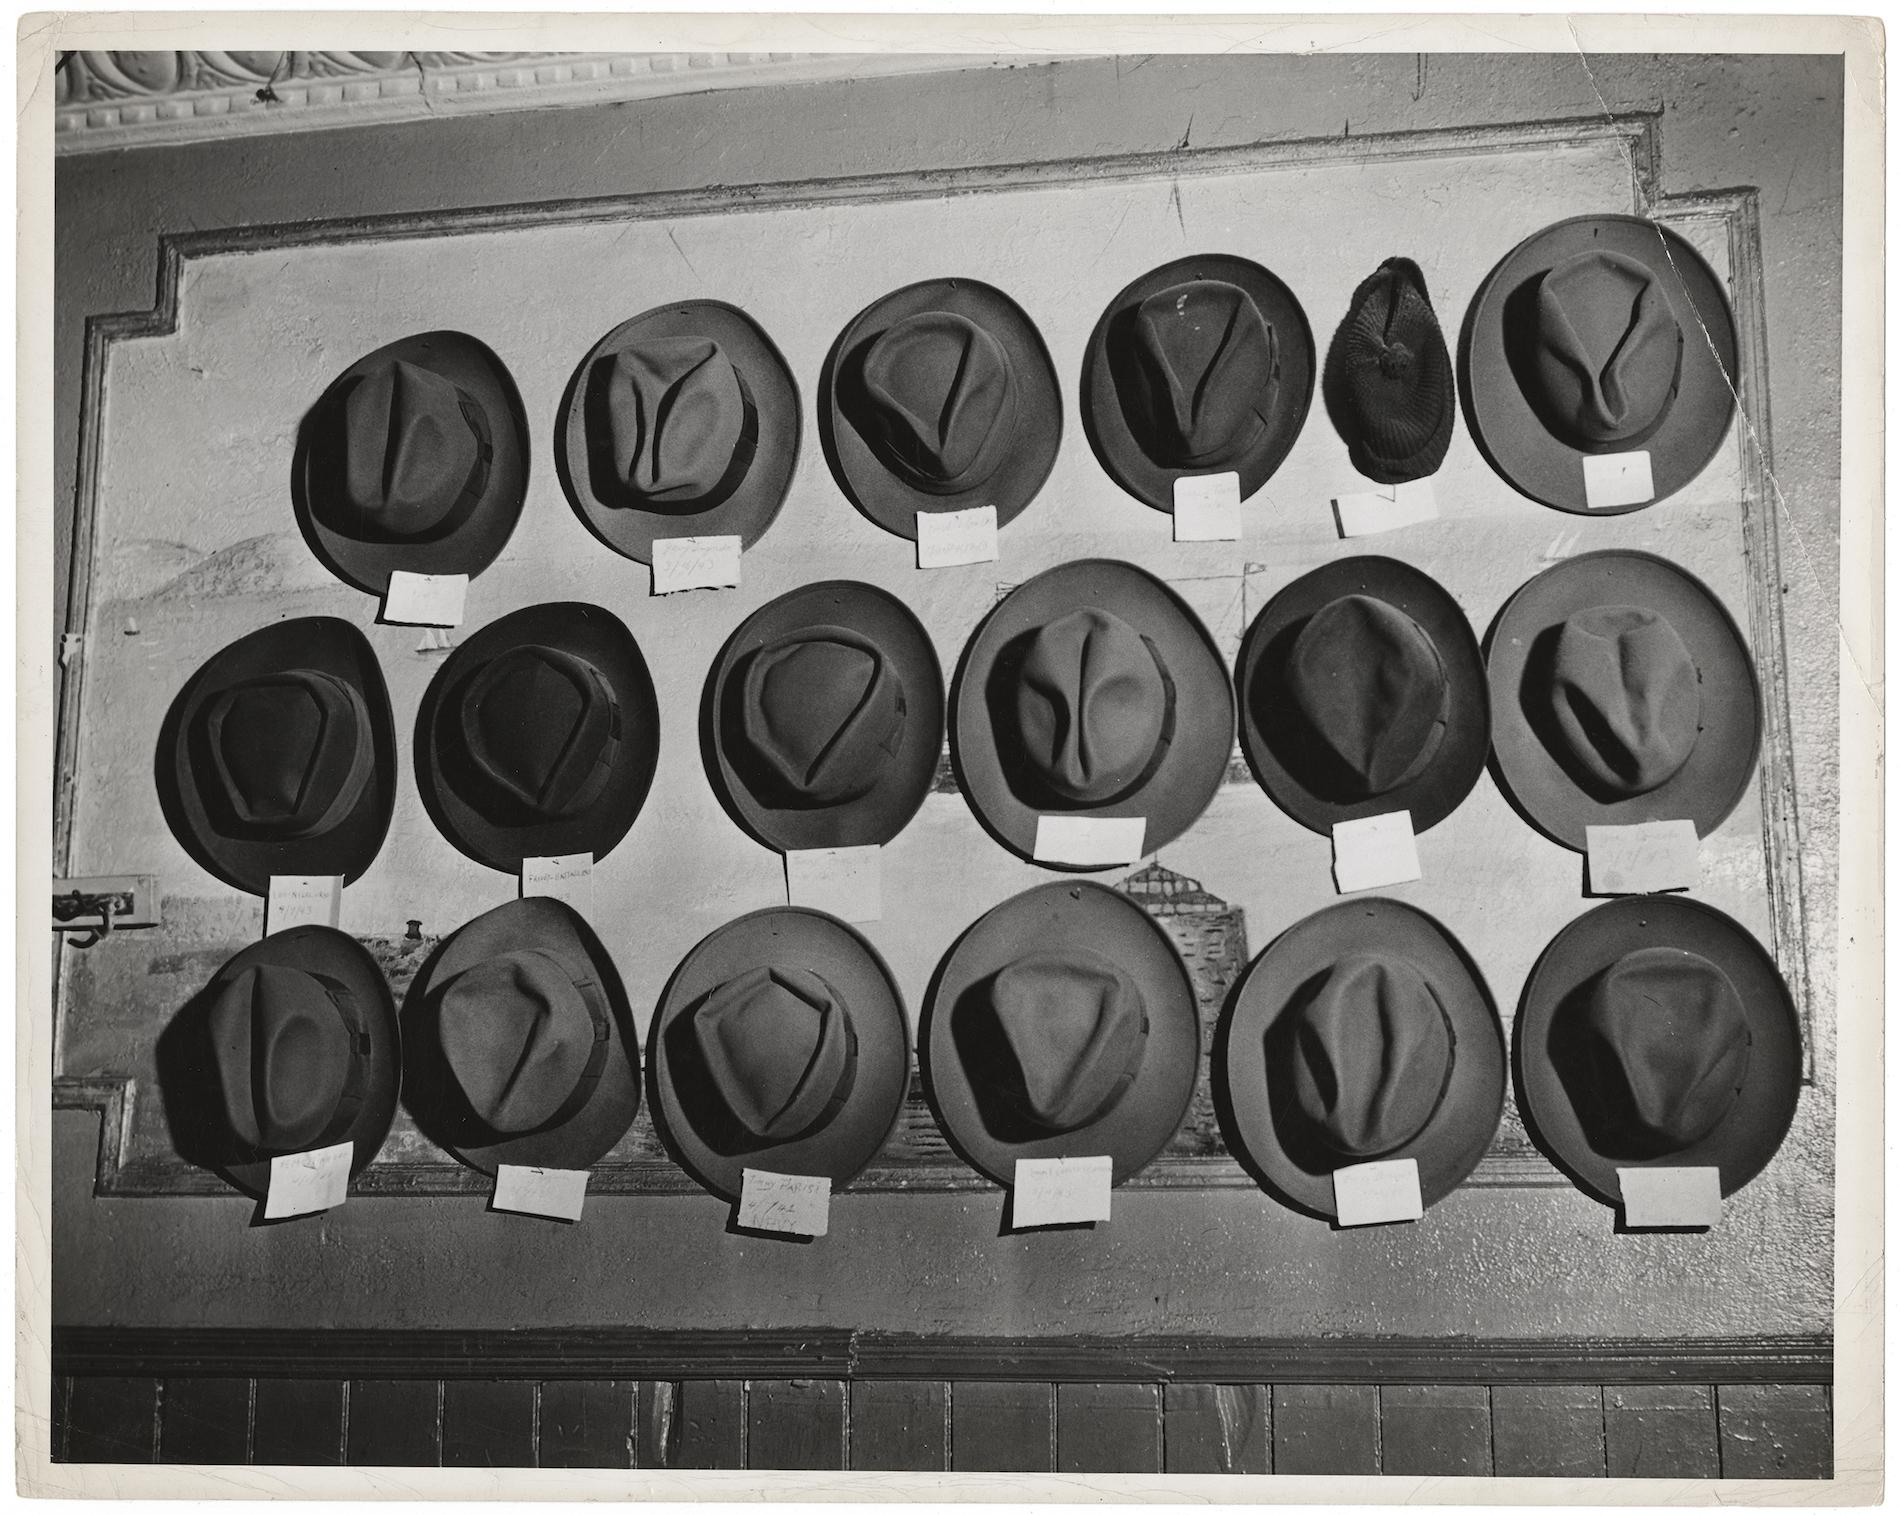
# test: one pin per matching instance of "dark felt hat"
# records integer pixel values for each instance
(1362, 691)
(279, 756)
(1599, 334)
(415, 458)
(1091, 690)
(827, 717)
(1388, 381)
(682, 422)
(1657, 1032)
(539, 735)
(1061, 1024)
(1204, 365)
(780, 1044)
(1362, 1034)
(1621, 691)
(940, 396)
(519, 1043)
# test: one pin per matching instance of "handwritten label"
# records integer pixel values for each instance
(841, 881)
(1375, 1194)
(681, 563)
(1617, 478)
(1061, 1191)
(302, 1183)
(1207, 508)
(557, 1193)
(425, 599)
(1089, 840)
(1375, 851)
(569, 879)
(948, 538)
(1648, 858)
(790, 1202)
(1657, 1197)
(1386, 509)
(302, 900)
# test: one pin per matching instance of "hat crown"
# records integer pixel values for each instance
(1609, 349)
(823, 712)
(942, 401)
(1093, 705)
(290, 753)
(544, 725)
(285, 1043)
(1197, 373)
(1077, 1028)
(1627, 698)
(778, 1045)
(520, 1038)
(414, 447)
(1399, 391)
(1372, 690)
(680, 422)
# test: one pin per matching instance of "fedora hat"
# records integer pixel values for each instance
(1388, 380)
(519, 1043)
(1204, 365)
(827, 718)
(1621, 691)
(1362, 691)
(779, 1043)
(415, 458)
(1362, 1033)
(1092, 689)
(538, 736)
(940, 396)
(279, 756)
(1061, 1024)
(1657, 1032)
(1599, 334)
(682, 422)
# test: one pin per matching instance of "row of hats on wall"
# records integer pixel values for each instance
(1599, 335)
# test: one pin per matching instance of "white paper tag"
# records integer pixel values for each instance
(1378, 850)
(841, 881)
(1372, 1194)
(1655, 1197)
(425, 599)
(302, 900)
(1089, 840)
(950, 537)
(1061, 1191)
(695, 563)
(301, 1183)
(569, 879)
(1365, 514)
(1617, 478)
(789, 1202)
(1207, 508)
(1648, 858)
(557, 1193)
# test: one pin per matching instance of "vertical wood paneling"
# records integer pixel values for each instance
(1440, 1430)
(1547, 1431)
(898, 1426)
(710, 1424)
(587, 1424)
(298, 1422)
(113, 1420)
(1108, 1428)
(1325, 1428)
(795, 1423)
(1660, 1431)
(395, 1423)
(655, 1424)
(1775, 1431)
(1217, 1428)
(488, 1424)
(59, 1419)
(206, 1420)
(1001, 1428)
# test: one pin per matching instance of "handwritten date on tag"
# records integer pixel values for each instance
(1207, 507)
(949, 538)
(794, 1203)
(1655, 1198)
(557, 1193)
(1386, 509)
(1617, 478)
(1061, 1191)
(302, 900)
(425, 599)
(569, 879)
(1090, 841)
(1374, 1194)
(1650, 857)
(841, 881)
(1375, 851)
(302, 1183)
(681, 563)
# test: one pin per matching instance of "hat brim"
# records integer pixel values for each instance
(477, 540)
(881, 494)
(326, 645)
(1183, 782)
(785, 936)
(1507, 429)
(905, 776)
(1105, 423)
(1707, 788)
(755, 503)
(1265, 728)
(588, 632)
(1044, 918)
(1749, 1136)
(1268, 1131)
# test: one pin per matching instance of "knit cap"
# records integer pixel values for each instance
(1388, 381)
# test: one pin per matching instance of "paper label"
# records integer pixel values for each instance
(950, 537)
(1207, 508)
(557, 1193)
(695, 563)
(1373, 1194)
(841, 881)
(1365, 514)
(302, 1183)
(788, 1202)
(1617, 478)
(425, 599)
(569, 879)
(1655, 1197)
(1648, 858)
(302, 900)
(1061, 1191)
(1089, 840)
(1375, 851)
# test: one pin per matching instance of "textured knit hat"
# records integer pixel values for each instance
(1388, 383)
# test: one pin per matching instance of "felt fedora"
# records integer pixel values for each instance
(1362, 691)
(539, 735)
(1061, 1024)
(1361, 1034)
(780, 1044)
(1204, 365)
(1656, 1031)
(1388, 381)
(940, 396)
(827, 717)
(519, 1043)
(1599, 334)
(279, 756)
(1621, 691)
(681, 422)
(415, 458)
(1092, 690)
